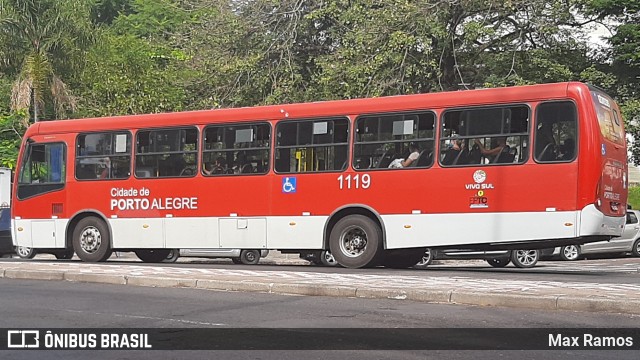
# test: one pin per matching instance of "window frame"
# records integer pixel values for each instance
(269, 147)
(417, 112)
(26, 191)
(134, 145)
(528, 139)
(113, 132)
(277, 147)
(577, 132)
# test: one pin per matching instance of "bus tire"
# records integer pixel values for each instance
(25, 252)
(356, 242)
(250, 257)
(92, 240)
(64, 255)
(525, 258)
(153, 255)
(499, 262)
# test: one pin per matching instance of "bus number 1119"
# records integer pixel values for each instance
(357, 181)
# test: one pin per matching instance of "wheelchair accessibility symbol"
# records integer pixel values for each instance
(288, 185)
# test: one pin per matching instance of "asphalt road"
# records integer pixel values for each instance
(55, 304)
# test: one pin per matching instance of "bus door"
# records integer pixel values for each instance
(40, 199)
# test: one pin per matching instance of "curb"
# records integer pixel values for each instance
(439, 296)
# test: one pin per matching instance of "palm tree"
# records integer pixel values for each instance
(45, 39)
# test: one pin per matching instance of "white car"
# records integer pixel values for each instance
(238, 256)
(628, 242)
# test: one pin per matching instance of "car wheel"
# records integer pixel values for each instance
(25, 252)
(427, 257)
(636, 248)
(92, 240)
(570, 252)
(356, 242)
(236, 260)
(525, 258)
(173, 256)
(499, 262)
(153, 255)
(327, 259)
(250, 257)
(65, 255)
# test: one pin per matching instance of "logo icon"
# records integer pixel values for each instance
(23, 339)
(479, 176)
(289, 185)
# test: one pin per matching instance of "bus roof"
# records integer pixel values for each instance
(312, 109)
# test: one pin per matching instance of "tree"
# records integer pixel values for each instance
(44, 41)
(622, 61)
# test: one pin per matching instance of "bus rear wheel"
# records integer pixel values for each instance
(356, 242)
(153, 255)
(91, 240)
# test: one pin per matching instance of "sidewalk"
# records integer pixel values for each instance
(422, 287)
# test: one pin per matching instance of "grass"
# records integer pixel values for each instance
(634, 197)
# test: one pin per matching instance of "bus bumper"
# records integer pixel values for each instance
(593, 222)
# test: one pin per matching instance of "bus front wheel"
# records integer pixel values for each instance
(91, 240)
(356, 242)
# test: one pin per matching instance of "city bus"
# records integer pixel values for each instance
(372, 181)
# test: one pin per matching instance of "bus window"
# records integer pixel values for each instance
(381, 139)
(43, 169)
(166, 152)
(236, 149)
(556, 132)
(312, 145)
(103, 156)
(485, 136)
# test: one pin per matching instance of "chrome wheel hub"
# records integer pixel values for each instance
(353, 241)
(90, 239)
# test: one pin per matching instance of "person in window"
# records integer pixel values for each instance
(218, 167)
(414, 154)
(501, 145)
(567, 150)
(243, 166)
(545, 142)
(106, 165)
(453, 153)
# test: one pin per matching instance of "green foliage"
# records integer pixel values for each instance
(126, 75)
(11, 131)
(634, 197)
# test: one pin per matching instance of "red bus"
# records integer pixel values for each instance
(373, 181)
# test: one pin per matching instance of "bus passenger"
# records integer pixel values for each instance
(454, 152)
(500, 146)
(218, 167)
(414, 154)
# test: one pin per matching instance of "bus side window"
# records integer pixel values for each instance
(387, 140)
(484, 135)
(319, 145)
(555, 137)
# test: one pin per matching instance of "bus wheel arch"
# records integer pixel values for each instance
(89, 236)
(355, 237)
